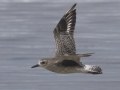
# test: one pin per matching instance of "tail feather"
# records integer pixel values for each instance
(93, 69)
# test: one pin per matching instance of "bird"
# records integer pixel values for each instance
(65, 60)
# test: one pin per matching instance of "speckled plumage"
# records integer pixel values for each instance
(66, 60)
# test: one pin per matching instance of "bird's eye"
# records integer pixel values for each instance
(43, 62)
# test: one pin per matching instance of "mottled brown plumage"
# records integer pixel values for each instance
(66, 60)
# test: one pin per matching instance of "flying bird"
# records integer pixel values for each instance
(66, 60)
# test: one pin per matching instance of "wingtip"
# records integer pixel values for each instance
(85, 55)
(71, 8)
(75, 4)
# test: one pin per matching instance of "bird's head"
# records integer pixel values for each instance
(41, 63)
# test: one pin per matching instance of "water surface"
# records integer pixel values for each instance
(26, 35)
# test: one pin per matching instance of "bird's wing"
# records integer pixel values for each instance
(68, 63)
(63, 33)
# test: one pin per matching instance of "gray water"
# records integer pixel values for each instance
(26, 35)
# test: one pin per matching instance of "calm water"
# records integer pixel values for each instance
(26, 35)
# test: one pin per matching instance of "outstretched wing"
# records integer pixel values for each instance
(63, 33)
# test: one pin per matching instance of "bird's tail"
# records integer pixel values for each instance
(93, 69)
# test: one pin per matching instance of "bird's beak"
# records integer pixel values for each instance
(35, 66)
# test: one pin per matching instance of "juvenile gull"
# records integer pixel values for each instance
(66, 60)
